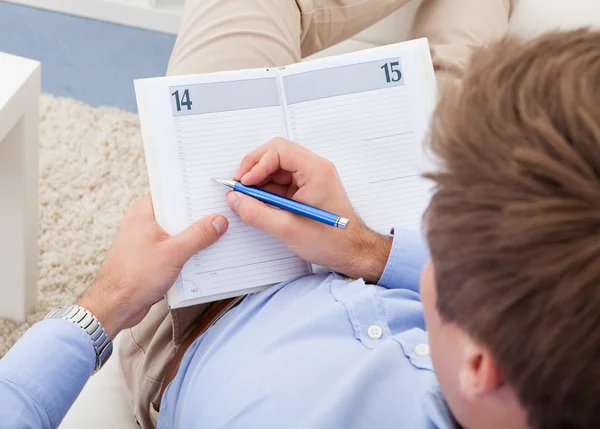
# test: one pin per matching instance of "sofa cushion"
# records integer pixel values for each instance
(532, 17)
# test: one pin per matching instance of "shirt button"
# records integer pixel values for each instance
(374, 332)
(422, 350)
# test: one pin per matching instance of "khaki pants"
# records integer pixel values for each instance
(233, 34)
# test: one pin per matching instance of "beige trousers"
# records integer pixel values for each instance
(233, 34)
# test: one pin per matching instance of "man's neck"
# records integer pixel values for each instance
(500, 418)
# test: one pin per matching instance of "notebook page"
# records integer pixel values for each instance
(368, 113)
(230, 114)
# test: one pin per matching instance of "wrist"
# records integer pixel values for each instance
(104, 306)
(370, 253)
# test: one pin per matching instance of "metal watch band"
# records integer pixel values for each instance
(88, 322)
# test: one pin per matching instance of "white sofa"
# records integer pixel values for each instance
(102, 404)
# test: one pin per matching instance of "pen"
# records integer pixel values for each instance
(285, 203)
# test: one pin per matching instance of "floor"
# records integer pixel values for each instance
(91, 61)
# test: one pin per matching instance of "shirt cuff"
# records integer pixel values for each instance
(51, 363)
(406, 261)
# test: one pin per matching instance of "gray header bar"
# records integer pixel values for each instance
(342, 80)
(224, 96)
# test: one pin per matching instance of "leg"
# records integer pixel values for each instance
(236, 34)
(456, 27)
(222, 35)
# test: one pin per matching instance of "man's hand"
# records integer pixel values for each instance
(142, 265)
(288, 169)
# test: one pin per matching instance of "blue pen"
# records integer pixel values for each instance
(285, 203)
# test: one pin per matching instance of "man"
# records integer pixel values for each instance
(220, 35)
(511, 297)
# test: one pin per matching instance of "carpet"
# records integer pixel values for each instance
(92, 169)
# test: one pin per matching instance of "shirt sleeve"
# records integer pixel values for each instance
(44, 372)
(406, 261)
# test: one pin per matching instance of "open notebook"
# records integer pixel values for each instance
(367, 112)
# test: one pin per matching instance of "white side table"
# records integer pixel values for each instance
(19, 110)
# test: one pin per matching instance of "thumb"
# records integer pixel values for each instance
(199, 235)
(259, 215)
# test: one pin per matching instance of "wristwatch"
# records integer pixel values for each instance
(86, 321)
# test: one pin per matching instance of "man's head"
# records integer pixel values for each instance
(512, 298)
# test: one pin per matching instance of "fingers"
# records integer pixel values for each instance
(198, 236)
(250, 161)
(282, 177)
(143, 206)
(267, 164)
(276, 188)
(278, 154)
(260, 216)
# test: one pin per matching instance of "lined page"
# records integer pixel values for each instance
(227, 119)
(368, 114)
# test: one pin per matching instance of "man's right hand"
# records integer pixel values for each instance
(288, 169)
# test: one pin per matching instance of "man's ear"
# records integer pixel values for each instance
(479, 375)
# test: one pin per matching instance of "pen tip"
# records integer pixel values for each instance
(229, 184)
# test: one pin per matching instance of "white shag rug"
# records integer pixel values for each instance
(92, 169)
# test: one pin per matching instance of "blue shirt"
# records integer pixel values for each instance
(320, 351)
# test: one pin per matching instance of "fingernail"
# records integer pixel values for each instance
(233, 201)
(219, 224)
(245, 177)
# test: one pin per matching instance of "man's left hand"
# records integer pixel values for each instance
(143, 264)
